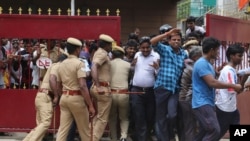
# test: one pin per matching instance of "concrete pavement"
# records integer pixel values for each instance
(18, 136)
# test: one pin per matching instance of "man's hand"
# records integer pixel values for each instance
(247, 86)
(133, 63)
(55, 101)
(91, 111)
(174, 30)
(238, 88)
(155, 65)
(100, 90)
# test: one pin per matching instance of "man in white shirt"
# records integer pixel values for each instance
(143, 106)
(192, 27)
(226, 102)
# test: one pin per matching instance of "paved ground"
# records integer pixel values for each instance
(20, 136)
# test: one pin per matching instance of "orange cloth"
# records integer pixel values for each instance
(242, 3)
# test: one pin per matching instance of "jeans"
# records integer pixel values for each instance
(166, 113)
(143, 110)
(209, 129)
(186, 119)
(226, 119)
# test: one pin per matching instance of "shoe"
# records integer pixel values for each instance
(123, 139)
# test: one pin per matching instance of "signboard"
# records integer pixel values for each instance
(43, 62)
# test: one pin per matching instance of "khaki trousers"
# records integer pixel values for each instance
(103, 103)
(73, 107)
(44, 112)
(120, 105)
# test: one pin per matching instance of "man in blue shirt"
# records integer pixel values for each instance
(204, 82)
(167, 84)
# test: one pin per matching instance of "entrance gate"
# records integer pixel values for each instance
(17, 108)
(230, 30)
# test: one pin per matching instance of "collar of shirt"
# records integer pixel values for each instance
(72, 56)
(179, 50)
(151, 54)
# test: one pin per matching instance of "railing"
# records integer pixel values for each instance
(45, 25)
(28, 25)
(59, 11)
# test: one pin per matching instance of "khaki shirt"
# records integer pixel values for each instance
(69, 71)
(101, 57)
(45, 82)
(119, 74)
(54, 69)
(51, 54)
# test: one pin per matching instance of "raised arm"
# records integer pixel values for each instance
(158, 38)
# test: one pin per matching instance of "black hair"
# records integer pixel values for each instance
(133, 36)
(117, 54)
(71, 48)
(103, 43)
(174, 34)
(234, 49)
(34, 41)
(193, 34)
(53, 43)
(93, 47)
(190, 19)
(132, 43)
(145, 39)
(210, 43)
(62, 57)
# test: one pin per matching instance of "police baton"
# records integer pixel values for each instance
(54, 123)
(124, 92)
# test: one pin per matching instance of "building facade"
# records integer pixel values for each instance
(147, 15)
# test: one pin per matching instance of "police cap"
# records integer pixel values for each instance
(74, 41)
(106, 38)
(118, 48)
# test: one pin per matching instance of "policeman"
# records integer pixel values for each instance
(120, 71)
(43, 103)
(51, 52)
(100, 89)
(75, 102)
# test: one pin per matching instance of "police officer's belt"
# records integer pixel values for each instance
(46, 91)
(72, 92)
(104, 84)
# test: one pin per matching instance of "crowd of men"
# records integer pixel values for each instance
(153, 85)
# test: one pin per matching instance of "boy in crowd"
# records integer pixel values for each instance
(226, 109)
(204, 82)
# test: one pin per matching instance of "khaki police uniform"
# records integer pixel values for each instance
(51, 54)
(44, 109)
(103, 101)
(72, 104)
(120, 100)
